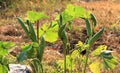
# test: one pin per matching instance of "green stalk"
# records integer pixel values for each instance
(87, 54)
(65, 46)
(38, 31)
(79, 62)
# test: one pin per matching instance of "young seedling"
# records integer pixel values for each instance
(63, 37)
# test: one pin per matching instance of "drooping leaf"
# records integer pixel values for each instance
(93, 20)
(95, 67)
(96, 37)
(109, 61)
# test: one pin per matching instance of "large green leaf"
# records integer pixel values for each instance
(72, 12)
(81, 12)
(50, 36)
(34, 16)
(66, 17)
(49, 32)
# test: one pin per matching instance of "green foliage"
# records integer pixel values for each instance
(34, 16)
(23, 25)
(28, 30)
(36, 66)
(3, 69)
(40, 50)
(72, 12)
(94, 21)
(47, 30)
(34, 52)
(108, 60)
(104, 55)
(70, 65)
(62, 35)
(88, 27)
(4, 47)
(96, 37)
(27, 51)
(31, 31)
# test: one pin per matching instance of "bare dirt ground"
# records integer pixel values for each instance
(106, 12)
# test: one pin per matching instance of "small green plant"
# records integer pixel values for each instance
(69, 14)
(33, 53)
(63, 37)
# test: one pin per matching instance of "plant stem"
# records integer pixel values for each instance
(38, 31)
(65, 46)
(87, 54)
